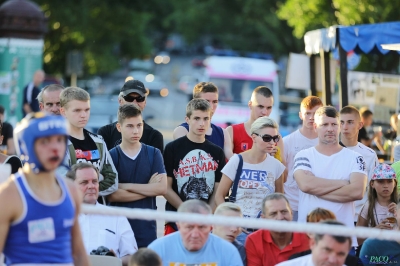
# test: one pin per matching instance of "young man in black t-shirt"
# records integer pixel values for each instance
(193, 164)
(84, 146)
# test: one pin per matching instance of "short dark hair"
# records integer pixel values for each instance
(340, 239)
(2, 110)
(204, 87)
(79, 166)
(273, 196)
(366, 113)
(197, 104)
(145, 257)
(127, 111)
(264, 91)
(329, 111)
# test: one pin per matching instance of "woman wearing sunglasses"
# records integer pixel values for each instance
(253, 174)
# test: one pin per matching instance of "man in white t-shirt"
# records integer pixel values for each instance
(301, 139)
(325, 250)
(350, 124)
(328, 175)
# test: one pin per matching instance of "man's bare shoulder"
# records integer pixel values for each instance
(8, 190)
(10, 200)
(179, 131)
(229, 129)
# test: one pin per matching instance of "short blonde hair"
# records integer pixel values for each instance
(228, 206)
(263, 122)
(197, 104)
(73, 93)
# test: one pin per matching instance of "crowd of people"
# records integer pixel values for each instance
(319, 173)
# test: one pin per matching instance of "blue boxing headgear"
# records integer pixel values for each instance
(32, 127)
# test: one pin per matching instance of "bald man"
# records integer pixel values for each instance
(31, 91)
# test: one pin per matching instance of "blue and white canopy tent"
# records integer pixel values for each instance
(370, 38)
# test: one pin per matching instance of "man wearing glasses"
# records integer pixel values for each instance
(133, 92)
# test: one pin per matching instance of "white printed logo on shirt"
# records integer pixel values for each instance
(361, 163)
(196, 175)
(253, 186)
(41, 230)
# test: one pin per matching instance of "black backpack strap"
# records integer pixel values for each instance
(232, 197)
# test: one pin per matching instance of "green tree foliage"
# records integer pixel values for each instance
(102, 30)
(314, 14)
(308, 15)
(109, 31)
(243, 25)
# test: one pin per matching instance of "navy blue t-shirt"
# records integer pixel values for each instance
(216, 137)
(139, 171)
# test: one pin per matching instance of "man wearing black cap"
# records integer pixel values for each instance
(133, 92)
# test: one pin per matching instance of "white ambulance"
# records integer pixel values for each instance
(236, 78)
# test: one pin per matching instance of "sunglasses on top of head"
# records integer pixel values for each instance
(130, 98)
(268, 138)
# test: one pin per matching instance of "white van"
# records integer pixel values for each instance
(236, 78)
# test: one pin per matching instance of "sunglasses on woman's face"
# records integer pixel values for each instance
(268, 138)
(130, 98)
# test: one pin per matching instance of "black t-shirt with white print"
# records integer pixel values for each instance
(194, 167)
(86, 150)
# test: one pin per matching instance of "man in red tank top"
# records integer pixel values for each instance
(260, 105)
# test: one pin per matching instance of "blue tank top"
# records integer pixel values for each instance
(43, 233)
(216, 137)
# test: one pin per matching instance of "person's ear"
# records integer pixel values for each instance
(118, 125)
(301, 116)
(62, 111)
(120, 101)
(371, 183)
(250, 104)
(253, 137)
(312, 242)
(361, 125)
(187, 119)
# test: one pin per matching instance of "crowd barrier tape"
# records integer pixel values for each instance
(272, 225)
